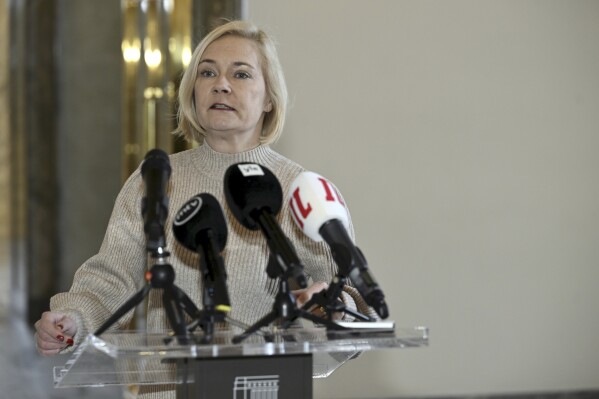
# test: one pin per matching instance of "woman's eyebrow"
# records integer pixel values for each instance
(236, 63)
(241, 63)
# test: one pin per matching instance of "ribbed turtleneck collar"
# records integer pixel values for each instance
(213, 162)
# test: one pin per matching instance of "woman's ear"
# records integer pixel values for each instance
(268, 106)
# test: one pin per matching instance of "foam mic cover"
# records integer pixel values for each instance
(199, 214)
(314, 201)
(320, 212)
(250, 187)
(155, 172)
(255, 197)
(200, 226)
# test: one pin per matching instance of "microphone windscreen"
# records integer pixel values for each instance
(313, 202)
(250, 187)
(202, 212)
(156, 159)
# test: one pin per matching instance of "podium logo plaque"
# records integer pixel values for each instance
(256, 387)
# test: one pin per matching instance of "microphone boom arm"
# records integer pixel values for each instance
(352, 264)
(280, 247)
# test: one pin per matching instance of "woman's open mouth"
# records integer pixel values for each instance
(222, 107)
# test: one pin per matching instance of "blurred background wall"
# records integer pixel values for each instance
(4, 161)
(65, 140)
(463, 135)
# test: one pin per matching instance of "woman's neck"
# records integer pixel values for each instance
(231, 144)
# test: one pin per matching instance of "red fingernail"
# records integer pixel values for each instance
(70, 341)
(60, 338)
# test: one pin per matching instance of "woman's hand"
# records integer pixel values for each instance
(54, 332)
(304, 295)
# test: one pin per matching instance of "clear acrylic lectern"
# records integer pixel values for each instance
(279, 365)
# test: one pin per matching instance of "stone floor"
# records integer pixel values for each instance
(4, 276)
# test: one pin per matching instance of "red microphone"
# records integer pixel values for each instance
(319, 211)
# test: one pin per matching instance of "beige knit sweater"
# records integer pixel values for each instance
(104, 282)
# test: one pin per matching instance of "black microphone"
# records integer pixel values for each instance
(155, 171)
(320, 213)
(255, 197)
(200, 226)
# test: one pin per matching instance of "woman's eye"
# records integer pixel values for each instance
(242, 75)
(207, 73)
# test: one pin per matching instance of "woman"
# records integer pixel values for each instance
(232, 100)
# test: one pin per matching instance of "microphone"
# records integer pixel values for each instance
(319, 211)
(201, 227)
(155, 171)
(255, 197)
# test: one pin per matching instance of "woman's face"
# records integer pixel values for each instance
(229, 91)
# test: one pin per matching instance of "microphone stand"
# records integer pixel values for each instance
(284, 307)
(208, 316)
(176, 302)
(328, 300)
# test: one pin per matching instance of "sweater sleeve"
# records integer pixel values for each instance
(108, 279)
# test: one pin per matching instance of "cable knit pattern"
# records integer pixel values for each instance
(104, 282)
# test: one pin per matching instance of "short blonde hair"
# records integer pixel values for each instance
(276, 90)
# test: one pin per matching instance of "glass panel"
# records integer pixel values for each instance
(142, 358)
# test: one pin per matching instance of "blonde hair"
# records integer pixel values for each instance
(276, 90)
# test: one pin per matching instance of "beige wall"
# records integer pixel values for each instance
(465, 137)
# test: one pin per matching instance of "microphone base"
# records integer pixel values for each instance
(329, 300)
(174, 299)
(285, 310)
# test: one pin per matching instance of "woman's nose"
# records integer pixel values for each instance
(221, 85)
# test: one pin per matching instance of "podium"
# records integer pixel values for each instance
(281, 364)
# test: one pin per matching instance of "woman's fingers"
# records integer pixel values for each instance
(304, 295)
(54, 332)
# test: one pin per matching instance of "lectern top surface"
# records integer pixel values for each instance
(133, 357)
